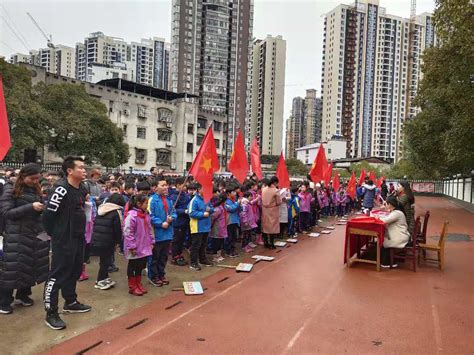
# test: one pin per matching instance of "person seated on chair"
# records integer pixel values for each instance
(396, 230)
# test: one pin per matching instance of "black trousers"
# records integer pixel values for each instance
(105, 260)
(6, 295)
(232, 235)
(159, 258)
(198, 247)
(136, 266)
(179, 234)
(217, 244)
(283, 230)
(66, 268)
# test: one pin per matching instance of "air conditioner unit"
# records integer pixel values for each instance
(173, 166)
(169, 125)
(168, 144)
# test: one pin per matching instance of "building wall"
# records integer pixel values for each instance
(166, 123)
(365, 89)
(334, 149)
(268, 87)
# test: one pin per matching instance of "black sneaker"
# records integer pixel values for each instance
(195, 267)
(206, 263)
(76, 307)
(54, 321)
(7, 309)
(182, 262)
(24, 301)
(113, 268)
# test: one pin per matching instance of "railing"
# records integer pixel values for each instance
(458, 187)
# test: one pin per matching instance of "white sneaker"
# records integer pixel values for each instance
(110, 281)
(102, 285)
(252, 245)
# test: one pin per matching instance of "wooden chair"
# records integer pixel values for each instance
(421, 237)
(438, 248)
(409, 252)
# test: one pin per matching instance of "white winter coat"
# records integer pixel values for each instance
(284, 193)
(396, 230)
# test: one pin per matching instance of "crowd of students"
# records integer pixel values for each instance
(148, 220)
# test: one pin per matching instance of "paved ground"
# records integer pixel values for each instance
(305, 301)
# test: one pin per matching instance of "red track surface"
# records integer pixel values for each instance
(307, 301)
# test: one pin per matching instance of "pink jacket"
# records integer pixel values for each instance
(137, 234)
(256, 205)
(305, 201)
(322, 199)
(219, 223)
(247, 217)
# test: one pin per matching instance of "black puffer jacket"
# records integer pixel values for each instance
(107, 227)
(25, 260)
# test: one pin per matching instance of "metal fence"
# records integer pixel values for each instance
(458, 187)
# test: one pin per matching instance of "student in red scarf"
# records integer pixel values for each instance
(162, 216)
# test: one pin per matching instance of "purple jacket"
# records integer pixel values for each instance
(322, 199)
(218, 223)
(334, 198)
(256, 205)
(137, 234)
(247, 217)
(305, 201)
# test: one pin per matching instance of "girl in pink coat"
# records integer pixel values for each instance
(218, 228)
(138, 242)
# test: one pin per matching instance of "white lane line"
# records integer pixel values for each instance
(437, 328)
(134, 342)
(320, 305)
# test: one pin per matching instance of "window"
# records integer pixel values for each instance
(164, 134)
(189, 148)
(190, 128)
(217, 126)
(188, 165)
(165, 115)
(140, 156)
(200, 138)
(124, 129)
(202, 123)
(141, 111)
(329, 150)
(163, 157)
(141, 132)
(217, 142)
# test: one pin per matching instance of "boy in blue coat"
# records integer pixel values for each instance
(293, 211)
(200, 226)
(162, 216)
(181, 224)
(232, 206)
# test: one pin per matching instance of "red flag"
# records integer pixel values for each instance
(5, 142)
(238, 164)
(372, 177)
(282, 173)
(328, 175)
(205, 164)
(335, 182)
(380, 181)
(351, 186)
(362, 176)
(255, 159)
(319, 167)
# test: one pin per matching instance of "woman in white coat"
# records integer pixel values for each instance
(396, 230)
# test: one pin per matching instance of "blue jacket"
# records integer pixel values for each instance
(181, 207)
(233, 208)
(197, 222)
(293, 207)
(369, 195)
(158, 217)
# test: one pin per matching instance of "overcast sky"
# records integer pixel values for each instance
(300, 22)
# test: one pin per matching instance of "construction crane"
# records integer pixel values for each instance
(49, 39)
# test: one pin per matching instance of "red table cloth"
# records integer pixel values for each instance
(367, 223)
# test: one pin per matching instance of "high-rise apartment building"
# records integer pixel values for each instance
(304, 123)
(210, 46)
(59, 59)
(365, 86)
(267, 95)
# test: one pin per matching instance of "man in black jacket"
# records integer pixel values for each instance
(64, 219)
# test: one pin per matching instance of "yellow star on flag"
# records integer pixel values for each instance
(206, 164)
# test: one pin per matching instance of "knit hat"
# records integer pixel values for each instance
(30, 169)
